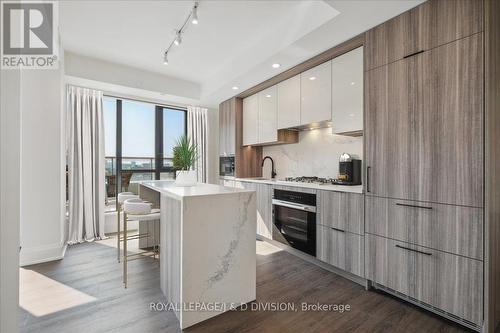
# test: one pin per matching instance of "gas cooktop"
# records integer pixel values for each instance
(317, 180)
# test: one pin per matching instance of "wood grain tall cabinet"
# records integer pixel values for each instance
(246, 159)
(432, 132)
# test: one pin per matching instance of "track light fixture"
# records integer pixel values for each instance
(178, 38)
(193, 15)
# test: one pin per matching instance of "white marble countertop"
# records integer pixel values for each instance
(200, 189)
(338, 188)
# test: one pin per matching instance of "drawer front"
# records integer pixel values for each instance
(454, 229)
(449, 282)
(294, 188)
(442, 280)
(341, 210)
(341, 249)
(388, 266)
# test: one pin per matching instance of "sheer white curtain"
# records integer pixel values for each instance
(86, 164)
(197, 132)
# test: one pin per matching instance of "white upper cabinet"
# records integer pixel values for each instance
(268, 110)
(316, 94)
(289, 102)
(347, 92)
(250, 120)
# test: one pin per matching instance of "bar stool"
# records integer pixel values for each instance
(120, 199)
(135, 209)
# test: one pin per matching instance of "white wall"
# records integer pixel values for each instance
(42, 166)
(173, 89)
(316, 154)
(10, 178)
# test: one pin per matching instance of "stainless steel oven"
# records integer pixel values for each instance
(294, 218)
(226, 165)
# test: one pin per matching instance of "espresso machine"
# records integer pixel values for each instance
(349, 170)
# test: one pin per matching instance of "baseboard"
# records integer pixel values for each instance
(41, 254)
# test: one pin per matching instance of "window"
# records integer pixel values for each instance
(139, 140)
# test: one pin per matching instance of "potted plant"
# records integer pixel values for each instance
(184, 157)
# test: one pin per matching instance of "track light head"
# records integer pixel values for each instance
(165, 58)
(178, 38)
(194, 16)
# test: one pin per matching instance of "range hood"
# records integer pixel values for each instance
(313, 126)
(325, 124)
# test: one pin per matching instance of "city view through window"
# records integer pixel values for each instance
(136, 133)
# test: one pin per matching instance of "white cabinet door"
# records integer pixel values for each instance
(268, 131)
(316, 94)
(250, 120)
(289, 103)
(347, 92)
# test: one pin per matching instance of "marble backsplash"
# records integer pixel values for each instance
(316, 154)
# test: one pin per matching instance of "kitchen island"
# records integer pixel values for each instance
(207, 244)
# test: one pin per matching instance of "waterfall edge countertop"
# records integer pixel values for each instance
(207, 247)
(200, 189)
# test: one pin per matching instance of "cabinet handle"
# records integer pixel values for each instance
(368, 168)
(412, 206)
(413, 54)
(412, 250)
(336, 229)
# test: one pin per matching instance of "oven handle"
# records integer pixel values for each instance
(292, 205)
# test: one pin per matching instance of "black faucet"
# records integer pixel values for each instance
(273, 172)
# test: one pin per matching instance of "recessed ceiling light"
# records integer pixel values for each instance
(268, 96)
(276, 65)
(235, 88)
(312, 78)
(353, 83)
(351, 114)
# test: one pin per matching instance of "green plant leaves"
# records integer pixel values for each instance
(185, 154)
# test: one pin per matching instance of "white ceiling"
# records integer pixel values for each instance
(234, 44)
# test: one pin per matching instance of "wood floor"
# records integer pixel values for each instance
(88, 284)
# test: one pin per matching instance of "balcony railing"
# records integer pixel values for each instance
(137, 164)
(134, 169)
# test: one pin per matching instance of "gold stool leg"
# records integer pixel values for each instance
(125, 249)
(118, 208)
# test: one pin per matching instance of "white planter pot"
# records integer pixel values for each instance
(186, 178)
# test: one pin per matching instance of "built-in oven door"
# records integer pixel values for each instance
(295, 225)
